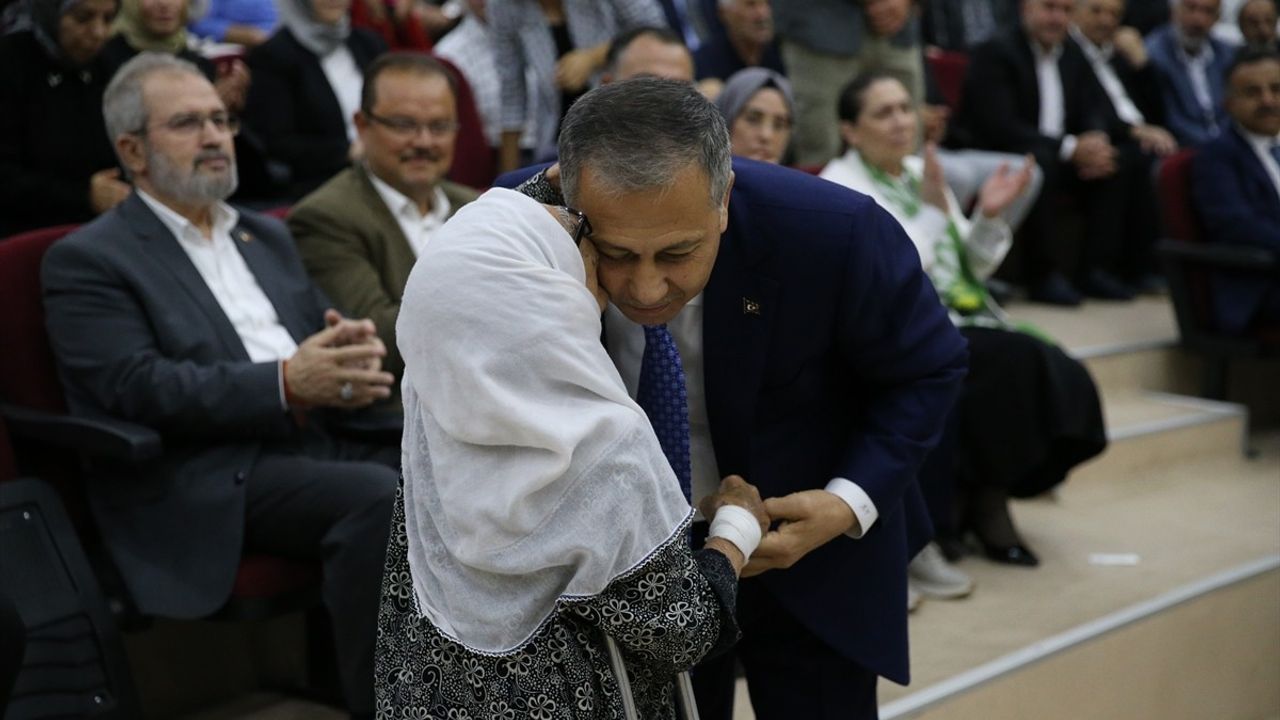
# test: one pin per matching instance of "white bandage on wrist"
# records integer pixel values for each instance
(738, 526)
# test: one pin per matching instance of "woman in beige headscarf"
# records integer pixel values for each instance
(161, 26)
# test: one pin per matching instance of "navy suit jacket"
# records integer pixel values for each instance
(827, 354)
(1238, 205)
(1183, 115)
(138, 336)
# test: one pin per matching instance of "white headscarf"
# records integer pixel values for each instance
(529, 474)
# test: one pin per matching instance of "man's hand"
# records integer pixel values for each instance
(933, 186)
(934, 119)
(345, 352)
(1094, 156)
(887, 17)
(1128, 42)
(106, 190)
(1155, 140)
(233, 84)
(807, 520)
(574, 69)
(1004, 186)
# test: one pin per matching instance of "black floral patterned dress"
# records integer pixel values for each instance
(666, 614)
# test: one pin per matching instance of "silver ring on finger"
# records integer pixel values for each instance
(346, 392)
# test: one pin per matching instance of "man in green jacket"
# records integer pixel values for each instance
(361, 232)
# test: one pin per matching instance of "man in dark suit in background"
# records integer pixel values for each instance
(1190, 65)
(177, 311)
(1257, 21)
(1235, 184)
(1031, 90)
(813, 358)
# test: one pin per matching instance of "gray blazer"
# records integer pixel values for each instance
(138, 336)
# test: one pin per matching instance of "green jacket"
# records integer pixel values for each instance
(355, 251)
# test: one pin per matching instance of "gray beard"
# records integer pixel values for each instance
(193, 188)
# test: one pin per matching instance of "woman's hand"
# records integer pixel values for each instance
(591, 268)
(576, 67)
(933, 187)
(233, 84)
(1003, 187)
(736, 491)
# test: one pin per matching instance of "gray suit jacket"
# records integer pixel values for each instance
(139, 336)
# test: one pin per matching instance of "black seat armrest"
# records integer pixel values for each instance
(1224, 257)
(100, 438)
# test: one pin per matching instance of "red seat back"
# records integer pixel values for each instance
(27, 372)
(1173, 187)
(475, 163)
(948, 68)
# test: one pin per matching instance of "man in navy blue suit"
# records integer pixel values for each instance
(818, 364)
(1235, 184)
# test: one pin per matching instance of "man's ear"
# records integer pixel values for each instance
(724, 204)
(132, 152)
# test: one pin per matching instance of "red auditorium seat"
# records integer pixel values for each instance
(948, 68)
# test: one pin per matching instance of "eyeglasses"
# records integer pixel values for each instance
(406, 128)
(584, 225)
(193, 123)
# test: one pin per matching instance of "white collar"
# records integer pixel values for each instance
(1261, 142)
(224, 218)
(401, 205)
(1205, 55)
(1096, 53)
(1041, 54)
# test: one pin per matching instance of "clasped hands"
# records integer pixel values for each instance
(801, 521)
(340, 366)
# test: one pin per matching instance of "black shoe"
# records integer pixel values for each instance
(1055, 289)
(1105, 286)
(1011, 555)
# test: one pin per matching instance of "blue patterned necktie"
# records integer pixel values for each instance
(663, 397)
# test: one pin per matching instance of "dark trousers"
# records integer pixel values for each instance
(790, 672)
(325, 499)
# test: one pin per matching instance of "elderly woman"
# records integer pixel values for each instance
(538, 515)
(759, 109)
(1028, 413)
(306, 90)
(56, 164)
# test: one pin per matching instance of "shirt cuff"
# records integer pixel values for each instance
(859, 502)
(1067, 148)
(284, 402)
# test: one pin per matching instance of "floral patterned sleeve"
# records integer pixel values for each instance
(671, 611)
(539, 189)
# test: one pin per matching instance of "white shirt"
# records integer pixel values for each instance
(1053, 110)
(1262, 145)
(346, 80)
(626, 346)
(1100, 59)
(1198, 73)
(231, 282)
(417, 228)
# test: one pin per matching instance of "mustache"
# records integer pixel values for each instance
(420, 154)
(207, 155)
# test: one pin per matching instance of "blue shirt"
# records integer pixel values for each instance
(225, 13)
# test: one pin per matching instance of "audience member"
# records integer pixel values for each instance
(758, 107)
(657, 52)
(161, 26)
(1028, 413)
(360, 233)
(402, 24)
(1190, 65)
(241, 22)
(746, 40)
(177, 311)
(1120, 65)
(825, 43)
(469, 46)
(1236, 190)
(685, 20)
(1257, 20)
(56, 165)
(306, 90)
(564, 43)
(790, 357)
(961, 25)
(1030, 90)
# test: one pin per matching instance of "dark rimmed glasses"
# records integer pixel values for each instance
(406, 128)
(584, 225)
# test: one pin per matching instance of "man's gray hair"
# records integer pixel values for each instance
(123, 107)
(639, 134)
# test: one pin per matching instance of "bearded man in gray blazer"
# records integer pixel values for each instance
(361, 232)
(177, 311)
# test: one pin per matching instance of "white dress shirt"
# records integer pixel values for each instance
(417, 227)
(1053, 110)
(1100, 60)
(626, 346)
(1262, 145)
(346, 80)
(1198, 73)
(231, 282)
